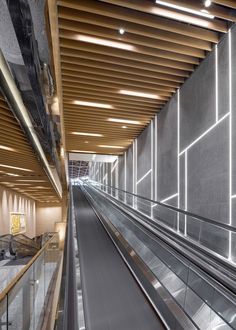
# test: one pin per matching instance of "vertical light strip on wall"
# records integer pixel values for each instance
(216, 86)
(125, 185)
(133, 172)
(151, 165)
(186, 191)
(178, 156)
(117, 177)
(230, 142)
(156, 158)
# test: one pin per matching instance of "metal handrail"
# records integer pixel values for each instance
(17, 278)
(173, 208)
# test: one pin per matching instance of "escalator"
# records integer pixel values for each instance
(183, 284)
(112, 297)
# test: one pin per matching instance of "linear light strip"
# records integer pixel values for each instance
(230, 143)
(217, 83)
(144, 176)
(178, 156)
(125, 184)
(185, 9)
(136, 164)
(156, 157)
(117, 177)
(105, 42)
(169, 198)
(205, 133)
(152, 164)
(186, 192)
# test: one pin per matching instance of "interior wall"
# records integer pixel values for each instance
(186, 157)
(10, 201)
(46, 217)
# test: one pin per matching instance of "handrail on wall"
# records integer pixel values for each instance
(173, 208)
(16, 279)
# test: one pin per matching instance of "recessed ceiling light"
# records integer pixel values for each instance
(105, 146)
(86, 142)
(86, 134)
(207, 3)
(105, 42)
(16, 168)
(93, 104)
(132, 93)
(185, 9)
(124, 127)
(125, 121)
(7, 148)
(30, 180)
(121, 31)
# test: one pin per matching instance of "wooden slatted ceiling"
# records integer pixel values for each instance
(19, 167)
(164, 53)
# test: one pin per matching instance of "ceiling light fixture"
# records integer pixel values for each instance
(132, 93)
(179, 17)
(84, 151)
(16, 168)
(121, 31)
(125, 121)
(7, 148)
(105, 146)
(207, 3)
(104, 42)
(93, 104)
(124, 127)
(87, 134)
(185, 9)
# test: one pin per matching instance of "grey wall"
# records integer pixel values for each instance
(190, 147)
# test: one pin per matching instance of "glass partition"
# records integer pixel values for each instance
(23, 303)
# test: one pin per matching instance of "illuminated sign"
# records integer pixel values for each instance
(17, 223)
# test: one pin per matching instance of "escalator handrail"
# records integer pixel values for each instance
(173, 208)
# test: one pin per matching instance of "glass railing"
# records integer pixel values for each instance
(217, 238)
(204, 301)
(24, 300)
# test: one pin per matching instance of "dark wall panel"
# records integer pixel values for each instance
(167, 150)
(144, 152)
(223, 76)
(129, 172)
(208, 174)
(197, 102)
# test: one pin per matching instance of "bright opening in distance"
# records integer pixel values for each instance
(105, 42)
(139, 94)
(125, 121)
(87, 134)
(93, 104)
(185, 9)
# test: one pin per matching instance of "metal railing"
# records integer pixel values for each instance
(217, 238)
(206, 302)
(24, 301)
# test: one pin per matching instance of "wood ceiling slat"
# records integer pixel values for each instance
(77, 45)
(141, 18)
(227, 3)
(104, 116)
(215, 10)
(100, 90)
(125, 107)
(66, 60)
(69, 77)
(137, 50)
(70, 30)
(120, 75)
(138, 29)
(77, 55)
(146, 7)
(69, 97)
